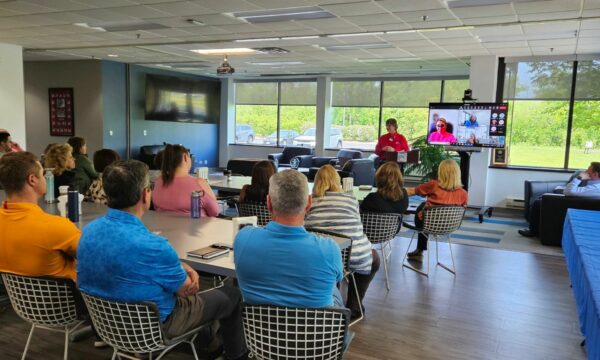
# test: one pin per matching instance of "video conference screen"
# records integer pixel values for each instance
(469, 125)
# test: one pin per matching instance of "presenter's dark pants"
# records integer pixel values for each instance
(362, 284)
(223, 304)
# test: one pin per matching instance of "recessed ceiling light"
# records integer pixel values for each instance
(300, 37)
(377, 60)
(87, 26)
(195, 22)
(258, 39)
(400, 32)
(286, 14)
(358, 46)
(113, 55)
(356, 34)
(224, 51)
(276, 63)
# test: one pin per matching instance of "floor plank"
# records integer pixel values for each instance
(502, 305)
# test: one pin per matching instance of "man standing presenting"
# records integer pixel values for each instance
(121, 260)
(34, 243)
(283, 264)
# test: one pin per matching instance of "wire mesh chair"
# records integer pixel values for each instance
(133, 328)
(348, 273)
(381, 228)
(438, 221)
(259, 210)
(280, 333)
(45, 302)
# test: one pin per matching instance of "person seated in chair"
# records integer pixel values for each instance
(257, 191)
(121, 260)
(288, 266)
(575, 187)
(446, 190)
(34, 243)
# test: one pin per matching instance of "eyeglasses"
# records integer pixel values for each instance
(440, 125)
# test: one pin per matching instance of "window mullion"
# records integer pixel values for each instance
(278, 111)
(570, 114)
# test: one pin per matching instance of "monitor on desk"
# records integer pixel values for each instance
(467, 124)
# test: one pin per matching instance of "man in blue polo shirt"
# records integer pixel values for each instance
(119, 259)
(283, 264)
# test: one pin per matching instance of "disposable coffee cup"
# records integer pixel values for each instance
(202, 172)
(63, 190)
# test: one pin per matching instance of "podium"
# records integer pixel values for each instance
(403, 157)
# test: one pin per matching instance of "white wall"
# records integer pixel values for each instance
(85, 77)
(503, 183)
(12, 93)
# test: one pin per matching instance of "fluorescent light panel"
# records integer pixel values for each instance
(377, 60)
(356, 34)
(286, 14)
(276, 63)
(453, 4)
(229, 51)
(358, 46)
(300, 37)
(258, 39)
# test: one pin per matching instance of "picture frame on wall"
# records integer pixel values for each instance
(61, 111)
(500, 157)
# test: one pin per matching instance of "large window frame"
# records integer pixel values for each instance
(382, 107)
(570, 98)
(278, 140)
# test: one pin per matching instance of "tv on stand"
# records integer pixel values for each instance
(468, 125)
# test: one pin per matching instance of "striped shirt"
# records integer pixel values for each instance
(338, 212)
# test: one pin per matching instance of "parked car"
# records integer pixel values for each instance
(286, 137)
(308, 138)
(244, 133)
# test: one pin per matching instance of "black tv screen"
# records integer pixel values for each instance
(469, 125)
(170, 98)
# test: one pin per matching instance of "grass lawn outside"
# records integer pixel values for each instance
(550, 156)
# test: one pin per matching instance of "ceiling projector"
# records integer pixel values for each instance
(225, 68)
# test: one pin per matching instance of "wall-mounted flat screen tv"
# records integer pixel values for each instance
(170, 98)
(469, 125)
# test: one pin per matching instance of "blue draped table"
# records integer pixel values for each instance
(581, 244)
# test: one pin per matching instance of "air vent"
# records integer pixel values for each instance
(272, 50)
(515, 203)
(137, 26)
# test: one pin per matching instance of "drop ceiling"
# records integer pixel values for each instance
(403, 37)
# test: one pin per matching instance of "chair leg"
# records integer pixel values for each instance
(28, 340)
(66, 352)
(408, 266)
(362, 315)
(453, 270)
(385, 266)
(114, 356)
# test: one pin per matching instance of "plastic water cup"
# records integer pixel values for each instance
(348, 184)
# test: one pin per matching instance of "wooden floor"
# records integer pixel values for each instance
(501, 305)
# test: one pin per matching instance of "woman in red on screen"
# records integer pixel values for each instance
(441, 135)
(392, 141)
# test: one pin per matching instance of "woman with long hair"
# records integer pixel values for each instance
(173, 189)
(335, 211)
(391, 197)
(259, 187)
(446, 190)
(84, 170)
(60, 158)
(102, 158)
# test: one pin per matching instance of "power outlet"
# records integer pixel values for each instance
(145, 133)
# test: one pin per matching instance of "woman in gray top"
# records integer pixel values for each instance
(84, 169)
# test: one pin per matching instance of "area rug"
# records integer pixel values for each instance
(499, 232)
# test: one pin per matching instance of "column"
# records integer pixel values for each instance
(227, 121)
(323, 114)
(12, 93)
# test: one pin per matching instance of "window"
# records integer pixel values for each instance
(355, 113)
(585, 133)
(360, 108)
(539, 96)
(260, 107)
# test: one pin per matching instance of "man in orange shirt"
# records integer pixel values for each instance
(32, 242)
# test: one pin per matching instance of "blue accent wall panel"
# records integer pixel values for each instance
(114, 107)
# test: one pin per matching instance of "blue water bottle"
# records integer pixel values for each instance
(73, 205)
(196, 205)
(49, 197)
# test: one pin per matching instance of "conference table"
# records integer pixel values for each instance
(235, 183)
(582, 253)
(184, 233)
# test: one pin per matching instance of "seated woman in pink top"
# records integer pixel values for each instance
(441, 135)
(173, 189)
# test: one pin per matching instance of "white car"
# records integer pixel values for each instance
(308, 138)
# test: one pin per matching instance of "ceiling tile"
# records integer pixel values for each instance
(483, 11)
(25, 7)
(432, 16)
(360, 8)
(491, 20)
(182, 8)
(435, 24)
(227, 6)
(409, 5)
(373, 20)
(105, 15)
(550, 16)
(546, 6)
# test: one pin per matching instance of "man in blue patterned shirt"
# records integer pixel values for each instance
(119, 259)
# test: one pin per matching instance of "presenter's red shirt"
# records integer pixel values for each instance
(397, 141)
